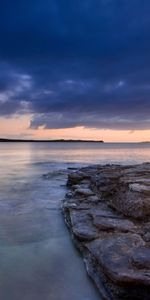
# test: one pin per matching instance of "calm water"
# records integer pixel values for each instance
(37, 258)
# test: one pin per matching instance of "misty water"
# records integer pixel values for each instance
(37, 257)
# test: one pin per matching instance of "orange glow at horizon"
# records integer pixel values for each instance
(18, 127)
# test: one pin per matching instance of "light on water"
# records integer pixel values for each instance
(37, 257)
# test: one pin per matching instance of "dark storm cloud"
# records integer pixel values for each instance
(76, 63)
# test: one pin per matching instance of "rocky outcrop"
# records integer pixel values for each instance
(107, 209)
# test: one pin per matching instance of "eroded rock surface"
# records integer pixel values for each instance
(107, 209)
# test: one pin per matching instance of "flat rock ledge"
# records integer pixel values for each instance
(107, 209)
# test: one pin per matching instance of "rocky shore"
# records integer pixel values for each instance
(107, 209)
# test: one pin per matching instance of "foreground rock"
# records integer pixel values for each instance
(107, 210)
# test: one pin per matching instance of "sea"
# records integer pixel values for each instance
(38, 260)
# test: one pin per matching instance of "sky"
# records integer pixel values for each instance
(75, 69)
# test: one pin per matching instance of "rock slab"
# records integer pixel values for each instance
(107, 209)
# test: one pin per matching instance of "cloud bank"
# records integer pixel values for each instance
(76, 63)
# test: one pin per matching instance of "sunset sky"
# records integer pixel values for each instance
(75, 69)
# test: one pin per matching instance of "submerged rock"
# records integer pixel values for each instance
(108, 213)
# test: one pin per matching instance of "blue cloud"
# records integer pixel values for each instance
(76, 62)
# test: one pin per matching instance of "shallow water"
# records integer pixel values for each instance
(37, 258)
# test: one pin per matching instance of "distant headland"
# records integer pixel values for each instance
(4, 140)
(145, 142)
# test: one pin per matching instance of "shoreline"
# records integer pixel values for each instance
(107, 210)
(48, 141)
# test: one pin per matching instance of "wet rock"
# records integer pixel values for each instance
(147, 236)
(94, 199)
(140, 188)
(82, 226)
(111, 224)
(108, 213)
(76, 177)
(141, 259)
(113, 254)
(84, 192)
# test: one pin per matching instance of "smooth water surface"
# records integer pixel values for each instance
(37, 257)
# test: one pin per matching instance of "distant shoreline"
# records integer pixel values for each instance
(146, 142)
(47, 141)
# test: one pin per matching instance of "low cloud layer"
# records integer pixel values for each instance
(76, 63)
